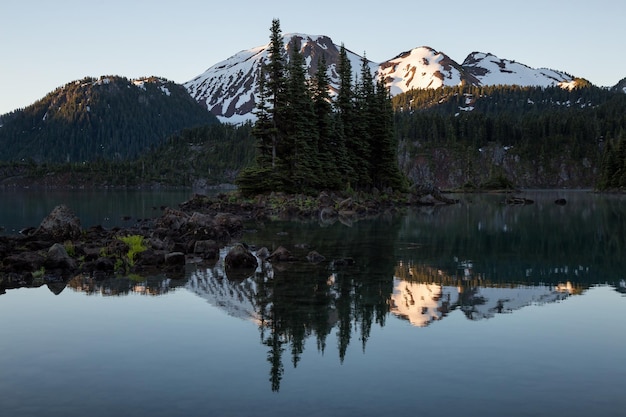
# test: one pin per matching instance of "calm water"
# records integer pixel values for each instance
(478, 309)
(108, 208)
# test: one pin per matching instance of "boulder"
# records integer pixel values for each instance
(231, 222)
(207, 249)
(200, 220)
(172, 220)
(281, 254)
(263, 253)
(240, 257)
(57, 258)
(149, 258)
(175, 259)
(61, 224)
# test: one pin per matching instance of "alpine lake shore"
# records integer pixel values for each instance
(196, 232)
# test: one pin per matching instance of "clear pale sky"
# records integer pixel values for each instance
(45, 44)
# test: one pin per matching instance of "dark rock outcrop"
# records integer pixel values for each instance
(61, 224)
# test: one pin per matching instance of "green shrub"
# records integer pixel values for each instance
(135, 245)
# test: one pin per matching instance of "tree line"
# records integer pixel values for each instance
(109, 118)
(538, 125)
(308, 141)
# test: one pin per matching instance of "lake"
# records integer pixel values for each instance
(478, 309)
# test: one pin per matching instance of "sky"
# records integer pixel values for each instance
(46, 44)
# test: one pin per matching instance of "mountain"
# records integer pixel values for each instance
(228, 89)
(488, 69)
(107, 118)
(421, 67)
(620, 86)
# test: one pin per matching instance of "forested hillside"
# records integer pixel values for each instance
(449, 137)
(196, 157)
(109, 118)
(537, 137)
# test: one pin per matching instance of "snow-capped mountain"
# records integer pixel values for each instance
(488, 69)
(421, 67)
(229, 88)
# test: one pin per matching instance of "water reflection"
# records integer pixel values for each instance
(480, 258)
(421, 304)
(120, 286)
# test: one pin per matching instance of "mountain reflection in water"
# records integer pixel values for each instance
(291, 303)
(480, 258)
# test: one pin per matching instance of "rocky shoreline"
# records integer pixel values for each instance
(59, 248)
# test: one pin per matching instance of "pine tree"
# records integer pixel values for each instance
(264, 129)
(330, 151)
(344, 115)
(385, 171)
(265, 174)
(299, 148)
(276, 84)
(359, 143)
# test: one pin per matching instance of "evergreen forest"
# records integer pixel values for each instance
(116, 132)
(307, 141)
(546, 137)
(108, 118)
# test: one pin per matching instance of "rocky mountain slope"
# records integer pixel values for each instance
(229, 88)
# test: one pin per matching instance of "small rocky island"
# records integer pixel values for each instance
(59, 248)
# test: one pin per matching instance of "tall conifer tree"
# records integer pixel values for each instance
(331, 151)
(264, 129)
(344, 115)
(276, 83)
(269, 129)
(299, 150)
(385, 171)
(364, 108)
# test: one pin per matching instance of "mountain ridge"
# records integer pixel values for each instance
(109, 117)
(228, 88)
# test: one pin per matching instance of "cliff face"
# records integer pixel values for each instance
(449, 168)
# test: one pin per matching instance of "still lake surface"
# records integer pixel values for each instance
(478, 309)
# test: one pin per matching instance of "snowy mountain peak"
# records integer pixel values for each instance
(228, 89)
(421, 67)
(488, 69)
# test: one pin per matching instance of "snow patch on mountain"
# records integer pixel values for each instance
(229, 89)
(488, 69)
(421, 67)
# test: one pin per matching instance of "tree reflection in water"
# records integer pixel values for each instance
(481, 259)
